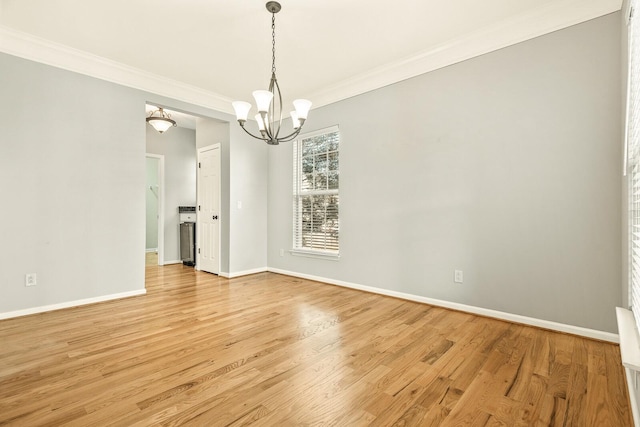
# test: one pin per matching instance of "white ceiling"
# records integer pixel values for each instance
(210, 52)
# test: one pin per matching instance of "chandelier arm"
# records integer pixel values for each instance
(277, 88)
(252, 135)
(291, 136)
(269, 118)
(267, 126)
(287, 138)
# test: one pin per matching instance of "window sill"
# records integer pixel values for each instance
(629, 342)
(315, 254)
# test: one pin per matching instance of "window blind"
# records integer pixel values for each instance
(633, 164)
(316, 199)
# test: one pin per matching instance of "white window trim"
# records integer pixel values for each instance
(632, 157)
(313, 253)
(629, 320)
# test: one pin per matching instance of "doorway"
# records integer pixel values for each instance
(154, 202)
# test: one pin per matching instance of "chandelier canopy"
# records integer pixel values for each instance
(269, 102)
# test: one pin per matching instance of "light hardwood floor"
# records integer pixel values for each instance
(151, 259)
(273, 350)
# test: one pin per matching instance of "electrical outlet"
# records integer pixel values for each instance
(281, 252)
(30, 279)
(457, 276)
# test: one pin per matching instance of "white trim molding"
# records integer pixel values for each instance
(69, 304)
(553, 16)
(244, 272)
(510, 317)
(632, 380)
(37, 49)
(315, 254)
(629, 339)
(630, 355)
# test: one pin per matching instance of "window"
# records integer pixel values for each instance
(316, 178)
(633, 164)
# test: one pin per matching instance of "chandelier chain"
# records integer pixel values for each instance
(273, 43)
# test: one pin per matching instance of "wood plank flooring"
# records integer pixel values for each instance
(272, 350)
(151, 259)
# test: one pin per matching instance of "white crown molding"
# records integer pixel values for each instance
(34, 48)
(552, 17)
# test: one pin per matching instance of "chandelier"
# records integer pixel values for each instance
(269, 102)
(160, 122)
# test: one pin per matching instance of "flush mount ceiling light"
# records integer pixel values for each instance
(269, 102)
(162, 121)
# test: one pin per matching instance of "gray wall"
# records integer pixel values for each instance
(152, 195)
(72, 177)
(248, 165)
(72, 186)
(506, 166)
(178, 145)
(249, 168)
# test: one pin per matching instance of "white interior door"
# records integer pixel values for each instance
(208, 221)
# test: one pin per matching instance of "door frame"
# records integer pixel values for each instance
(198, 218)
(160, 158)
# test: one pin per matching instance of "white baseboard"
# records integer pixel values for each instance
(152, 250)
(244, 273)
(68, 304)
(516, 318)
(175, 261)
